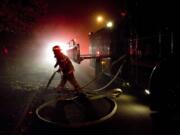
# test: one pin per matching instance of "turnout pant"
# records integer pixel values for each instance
(71, 78)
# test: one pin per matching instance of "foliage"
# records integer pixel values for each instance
(20, 15)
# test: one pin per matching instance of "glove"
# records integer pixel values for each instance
(59, 70)
(55, 66)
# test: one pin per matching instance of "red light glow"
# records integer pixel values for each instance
(49, 53)
(98, 53)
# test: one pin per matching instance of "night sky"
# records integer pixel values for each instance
(68, 19)
(64, 20)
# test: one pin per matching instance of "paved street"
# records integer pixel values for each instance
(22, 93)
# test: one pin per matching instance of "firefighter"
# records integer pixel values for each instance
(66, 67)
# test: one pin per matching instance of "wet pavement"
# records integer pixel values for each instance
(21, 94)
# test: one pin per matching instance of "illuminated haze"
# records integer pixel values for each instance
(63, 21)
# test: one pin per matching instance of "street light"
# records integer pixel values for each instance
(103, 22)
(109, 24)
(100, 19)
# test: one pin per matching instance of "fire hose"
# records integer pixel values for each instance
(99, 89)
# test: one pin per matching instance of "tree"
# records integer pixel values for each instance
(20, 15)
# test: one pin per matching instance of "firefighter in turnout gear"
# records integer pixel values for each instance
(66, 67)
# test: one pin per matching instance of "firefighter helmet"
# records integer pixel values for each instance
(56, 48)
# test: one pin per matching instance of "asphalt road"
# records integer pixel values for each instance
(22, 92)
